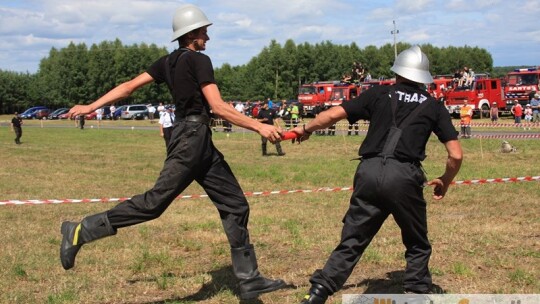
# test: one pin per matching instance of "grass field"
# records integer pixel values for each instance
(486, 238)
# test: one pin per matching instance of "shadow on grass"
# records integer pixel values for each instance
(392, 284)
(222, 279)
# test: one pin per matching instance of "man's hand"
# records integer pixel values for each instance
(79, 110)
(270, 132)
(439, 189)
(302, 135)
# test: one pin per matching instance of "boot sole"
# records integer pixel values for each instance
(255, 294)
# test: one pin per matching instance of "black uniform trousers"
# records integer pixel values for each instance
(382, 187)
(18, 134)
(191, 156)
(167, 133)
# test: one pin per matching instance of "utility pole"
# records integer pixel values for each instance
(395, 32)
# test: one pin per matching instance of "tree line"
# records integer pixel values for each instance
(78, 74)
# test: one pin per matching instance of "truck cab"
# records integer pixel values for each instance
(483, 92)
(520, 83)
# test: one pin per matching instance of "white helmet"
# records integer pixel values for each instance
(413, 65)
(186, 19)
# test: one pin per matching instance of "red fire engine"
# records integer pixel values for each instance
(326, 93)
(520, 83)
(332, 93)
(483, 92)
(441, 83)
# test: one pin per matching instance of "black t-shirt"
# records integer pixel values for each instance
(375, 105)
(16, 121)
(269, 114)
(191, 69)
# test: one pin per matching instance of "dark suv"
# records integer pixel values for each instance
(32, 112)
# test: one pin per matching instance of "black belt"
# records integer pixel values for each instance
(203, 119)
(401, 160)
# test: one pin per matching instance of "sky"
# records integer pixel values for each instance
(508, 30)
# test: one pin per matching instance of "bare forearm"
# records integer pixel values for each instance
(225, 111)
(231, 115)
(326, 119)
(453, 162)
(118, 93)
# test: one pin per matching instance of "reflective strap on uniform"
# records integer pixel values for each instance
(76, 235)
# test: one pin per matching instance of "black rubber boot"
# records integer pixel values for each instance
(279, 150)
(245, 268)
(264, 150)
(317, 295)
(74, 235)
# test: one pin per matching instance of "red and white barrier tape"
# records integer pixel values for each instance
(260, 193)
(498, 125)
(504, 136)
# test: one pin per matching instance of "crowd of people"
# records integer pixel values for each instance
(463, 78)
(288, 113)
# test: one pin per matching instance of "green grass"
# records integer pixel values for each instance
(484, 237)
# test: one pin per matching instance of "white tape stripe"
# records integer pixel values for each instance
(258, 193)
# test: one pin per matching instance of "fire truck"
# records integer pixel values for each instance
(483, 92)
(520, 83)
(332, 93)
(441, 83)
(326, 93)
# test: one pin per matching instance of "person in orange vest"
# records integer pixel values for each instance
(465, 114)
(517, 111)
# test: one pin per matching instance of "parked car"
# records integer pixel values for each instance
(132, 111)
(142, 115)
(41, 114)
(30, 113)
(56, 113)
(118, 112)
(91, 116)
(63, 116)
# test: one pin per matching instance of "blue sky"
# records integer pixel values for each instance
(509, 30)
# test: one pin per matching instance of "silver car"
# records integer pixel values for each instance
(134, 111)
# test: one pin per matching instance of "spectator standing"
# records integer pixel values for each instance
(16, 127)
(270, 103)
(166, 121)
(112, 108)
(535, 106)
(191, 155)
(151, 112)
(99, 116)
(295, 115)
(161, 108)
(389, 179)
(240, 107)
(528, 116)
(494, 112)
(517, 111)
(465, 116)
(255, 109)
(267, 116)
(82, 121)
(285, 114)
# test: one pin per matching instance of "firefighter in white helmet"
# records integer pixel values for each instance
(191, 155)
(389, 179)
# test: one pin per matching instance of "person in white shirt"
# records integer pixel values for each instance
(161, 109)
(166, 121)
(240, 107)
(112, 110)
(151, 111)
